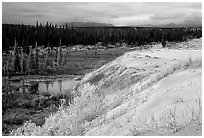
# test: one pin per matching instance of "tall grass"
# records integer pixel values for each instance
(70, 120)
(167, 121)
(91, 107)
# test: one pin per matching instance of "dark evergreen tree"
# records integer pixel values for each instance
(36, 64)
(30, 62)
(46, 58)
(22, 61)
(14, 55)
(63, 59)
(56, 55)
(163, 39)
(59, 55)
(15, 58)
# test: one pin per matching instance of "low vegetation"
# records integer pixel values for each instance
(18, 107)
(169, 121)
(90, 109)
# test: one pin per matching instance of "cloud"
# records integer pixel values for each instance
(118, 13)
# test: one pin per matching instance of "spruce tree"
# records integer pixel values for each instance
(7, 69)
(56, 53)
(15, 58)
(30, 61)
(17, 63)
(163, 39)
(48, 48)
(46, 59)
(59, 55)
(36, 64)
(63, 59)
(22, 61)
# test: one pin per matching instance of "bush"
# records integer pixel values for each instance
(67, 121)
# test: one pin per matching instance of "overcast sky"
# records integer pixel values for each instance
(114, 13)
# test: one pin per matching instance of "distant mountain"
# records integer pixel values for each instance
(172, 25)
(87, 24)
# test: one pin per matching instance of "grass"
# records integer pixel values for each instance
(77, 63)
(85, 113)
(167, 122)
(193, 115)
(67, 121)
(18, 108)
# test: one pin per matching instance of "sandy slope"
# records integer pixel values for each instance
(130, 97)
(165, 94)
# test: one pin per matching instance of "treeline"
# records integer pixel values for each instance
(22, 64)
(27, 35)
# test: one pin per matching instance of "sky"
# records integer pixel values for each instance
(116, 13)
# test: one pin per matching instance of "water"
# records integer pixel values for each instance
(56, 86)
(53, 87)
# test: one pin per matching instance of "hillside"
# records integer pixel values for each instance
(148, 92)
(126, 82)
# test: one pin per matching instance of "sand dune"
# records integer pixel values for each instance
(147, 83)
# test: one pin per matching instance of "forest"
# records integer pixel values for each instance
(27, 35)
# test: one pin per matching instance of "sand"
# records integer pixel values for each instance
(148, 82)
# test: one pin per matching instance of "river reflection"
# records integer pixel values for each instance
(56, 87)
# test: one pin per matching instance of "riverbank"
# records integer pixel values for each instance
(41, 78)
(41, 98)
(18, 107)
(112, 99)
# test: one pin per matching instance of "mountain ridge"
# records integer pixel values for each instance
(87, 24)
(172, 25)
